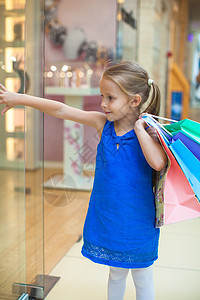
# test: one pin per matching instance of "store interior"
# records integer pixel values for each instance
(50, 49)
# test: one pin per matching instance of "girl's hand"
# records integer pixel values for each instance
(153, 151)
(140, 123)
(7, 98)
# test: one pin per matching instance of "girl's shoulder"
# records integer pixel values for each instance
(100, 123)
(105, 129)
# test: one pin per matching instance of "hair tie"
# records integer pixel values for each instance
(150, 81)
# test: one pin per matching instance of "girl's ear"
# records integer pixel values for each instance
(136, 100)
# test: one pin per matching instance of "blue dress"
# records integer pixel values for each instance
(119, 229)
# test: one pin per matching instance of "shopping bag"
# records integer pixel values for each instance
(185, 147)
(174, 197)
(188, 127)
(189, 164)
(180, 202)
(190, 144)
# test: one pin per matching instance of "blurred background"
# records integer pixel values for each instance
(57, 49)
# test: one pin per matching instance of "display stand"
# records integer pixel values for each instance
(74, 148)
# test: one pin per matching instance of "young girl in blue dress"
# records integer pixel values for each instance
(119, 229)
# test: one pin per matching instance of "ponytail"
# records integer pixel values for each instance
(154, 105)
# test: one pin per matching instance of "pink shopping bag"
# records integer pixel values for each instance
(180, 202)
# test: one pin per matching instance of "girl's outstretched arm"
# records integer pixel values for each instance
(54, 108)
(153, 151)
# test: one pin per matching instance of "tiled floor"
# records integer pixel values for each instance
(176, 273)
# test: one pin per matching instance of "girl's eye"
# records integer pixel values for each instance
(110, 98)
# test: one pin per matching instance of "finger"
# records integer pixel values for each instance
(5, 110)
(1, 97)
(3, 87)
(143, 114)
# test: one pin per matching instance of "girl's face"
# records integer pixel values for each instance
(115, 103)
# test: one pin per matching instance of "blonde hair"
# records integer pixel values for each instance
(132, 78)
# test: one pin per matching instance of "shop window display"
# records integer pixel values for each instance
(82, 48)
(84, 58)
(78, 43)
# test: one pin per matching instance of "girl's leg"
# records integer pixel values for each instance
(144, 284)
(117, 283)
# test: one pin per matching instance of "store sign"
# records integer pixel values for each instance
(128, 18)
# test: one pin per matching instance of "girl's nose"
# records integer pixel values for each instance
(103, 103)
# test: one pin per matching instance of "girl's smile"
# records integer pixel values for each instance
(107, 112)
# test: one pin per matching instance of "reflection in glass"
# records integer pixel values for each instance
(14, 120)
(21, 191)
(15, 28)
(14, 149)
(11, 55)
(126, 29)
(13, 84)
(14, 4)
(12, 191)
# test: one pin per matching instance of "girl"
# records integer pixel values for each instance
(119, 228)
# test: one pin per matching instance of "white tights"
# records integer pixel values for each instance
(143, 280)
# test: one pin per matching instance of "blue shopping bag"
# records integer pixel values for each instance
(189, 164)
(189, 143)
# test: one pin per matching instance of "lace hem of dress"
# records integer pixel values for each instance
(128, 257)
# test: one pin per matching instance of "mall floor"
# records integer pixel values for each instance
(176, 272)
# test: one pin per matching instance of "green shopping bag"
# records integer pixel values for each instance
(188, 127)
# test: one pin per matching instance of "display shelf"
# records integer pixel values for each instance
(52, 90)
